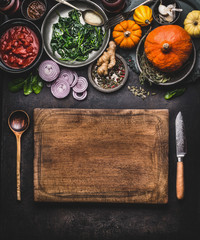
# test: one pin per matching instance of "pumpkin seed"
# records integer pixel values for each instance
(139, 92)
(151, 73)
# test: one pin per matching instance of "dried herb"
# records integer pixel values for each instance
(174, 93)
(151, 73)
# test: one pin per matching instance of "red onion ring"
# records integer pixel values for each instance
(60, 89)
(81, 85)
(75, 79)
(49, 70)
(78, 97)
(67, 75)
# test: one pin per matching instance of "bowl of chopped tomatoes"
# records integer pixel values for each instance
(21, 45)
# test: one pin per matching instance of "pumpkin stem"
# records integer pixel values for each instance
(127, 33)
(195, 23)
(165, 47)
(147, 21)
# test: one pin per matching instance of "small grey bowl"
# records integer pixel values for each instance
(99, 88)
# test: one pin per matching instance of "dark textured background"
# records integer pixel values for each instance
(95, 221)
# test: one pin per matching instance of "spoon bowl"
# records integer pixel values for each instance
(90, 16)
(18, 122)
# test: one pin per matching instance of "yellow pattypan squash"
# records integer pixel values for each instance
(192, 23)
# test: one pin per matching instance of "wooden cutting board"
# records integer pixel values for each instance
(90, 155)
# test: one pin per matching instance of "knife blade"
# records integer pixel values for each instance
(181, 150)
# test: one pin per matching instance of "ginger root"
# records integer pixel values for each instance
(107, 60)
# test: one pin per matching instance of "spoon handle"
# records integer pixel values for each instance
(68, 4)
(18, 138)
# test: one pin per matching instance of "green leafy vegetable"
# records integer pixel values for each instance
(174, 93)
(72, 40)
(37, 84)
(32, 83)
(16, 85)
(28, 86)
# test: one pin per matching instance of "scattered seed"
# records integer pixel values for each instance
(140, 92)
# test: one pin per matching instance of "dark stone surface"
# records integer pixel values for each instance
(80, 221)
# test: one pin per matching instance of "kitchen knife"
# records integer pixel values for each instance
(181, 151)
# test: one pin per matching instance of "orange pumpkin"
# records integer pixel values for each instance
(127, 34)
(168, 47)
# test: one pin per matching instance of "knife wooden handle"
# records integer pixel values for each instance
(180, 180)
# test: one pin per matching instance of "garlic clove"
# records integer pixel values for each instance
(169, 18)
(171, 14)
(162, 9)
(162, 18)
(171, 6)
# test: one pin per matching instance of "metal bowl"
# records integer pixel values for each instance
(95, 85)
(52, 17)
(176, 76)
(21, 22)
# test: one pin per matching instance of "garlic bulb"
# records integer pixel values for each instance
(169, 18)
(162, 9)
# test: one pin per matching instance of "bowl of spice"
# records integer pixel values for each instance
(21, 45)
(114, 80)
(34, 10)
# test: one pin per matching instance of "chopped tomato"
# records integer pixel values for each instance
(19, 47)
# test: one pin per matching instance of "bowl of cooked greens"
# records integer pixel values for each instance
(68, 40)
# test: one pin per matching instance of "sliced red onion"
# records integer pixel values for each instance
(60, 89)
(81, 85)
(49, 70)
(79, 97)
(67, 75)
(75, 80)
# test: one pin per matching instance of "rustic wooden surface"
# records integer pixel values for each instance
(101, 155)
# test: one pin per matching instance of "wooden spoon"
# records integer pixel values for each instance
(18, 122)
